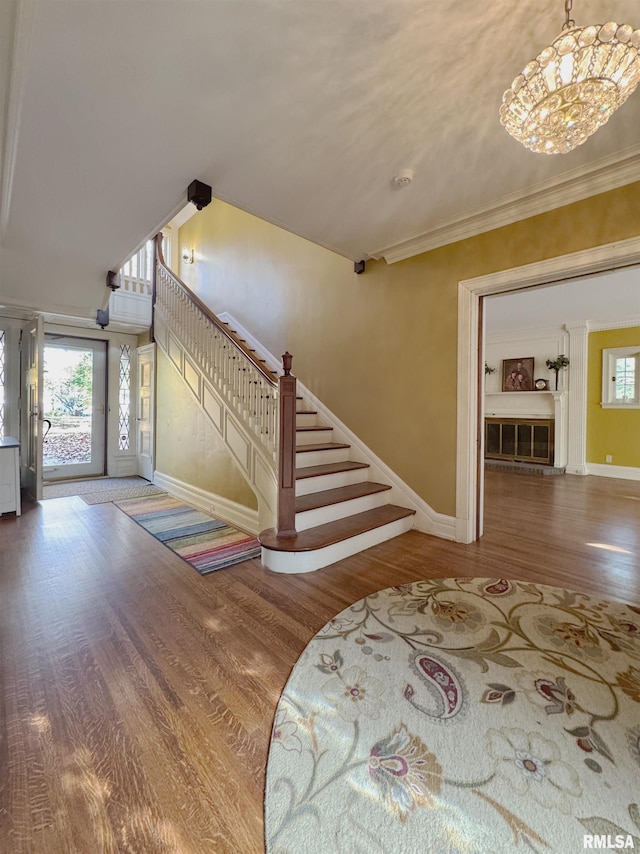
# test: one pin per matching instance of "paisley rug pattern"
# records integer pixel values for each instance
(461, 716)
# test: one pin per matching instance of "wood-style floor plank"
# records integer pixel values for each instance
(137, 697)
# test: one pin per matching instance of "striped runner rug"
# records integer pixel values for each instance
(203, 542)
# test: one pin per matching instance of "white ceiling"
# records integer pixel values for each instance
(608, 298)
(300, 111)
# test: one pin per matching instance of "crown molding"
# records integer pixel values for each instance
(590, 180)
(600, 326)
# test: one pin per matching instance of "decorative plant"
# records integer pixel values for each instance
(560, 363)
(488, 369)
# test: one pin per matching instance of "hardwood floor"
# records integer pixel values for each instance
(138, 697)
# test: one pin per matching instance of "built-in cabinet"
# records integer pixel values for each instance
(9, 476)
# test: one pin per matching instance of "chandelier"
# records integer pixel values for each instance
(572, 87)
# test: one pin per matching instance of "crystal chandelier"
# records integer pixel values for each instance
(572, 87)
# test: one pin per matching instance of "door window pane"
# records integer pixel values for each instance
(67, 398)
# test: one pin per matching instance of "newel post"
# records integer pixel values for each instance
(287, 452)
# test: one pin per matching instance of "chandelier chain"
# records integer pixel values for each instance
(568, 21)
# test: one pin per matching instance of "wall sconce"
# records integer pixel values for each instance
(187, 256)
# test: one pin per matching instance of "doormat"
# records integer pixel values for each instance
(203, 542)
(101, 490)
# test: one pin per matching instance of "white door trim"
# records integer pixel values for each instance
(31, 372)
(145, 411)
(469, 476)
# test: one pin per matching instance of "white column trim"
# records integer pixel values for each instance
(577, 404)
(560, 440)
(551, 271)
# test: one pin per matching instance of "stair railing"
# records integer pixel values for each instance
(264, 403)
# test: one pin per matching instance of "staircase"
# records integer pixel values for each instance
(338, 510)
(315, 489)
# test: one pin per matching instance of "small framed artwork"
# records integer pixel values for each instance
(517, 374)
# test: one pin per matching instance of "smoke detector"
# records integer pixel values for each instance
(403, 178)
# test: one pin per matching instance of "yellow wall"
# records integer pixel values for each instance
(610, 431)
(380, 349)
(187, 444)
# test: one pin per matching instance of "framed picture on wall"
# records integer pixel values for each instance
(517, 374)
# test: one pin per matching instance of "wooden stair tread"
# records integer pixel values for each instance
(336, 496)
(329, 468)
(312, 427)
(321, 446)
(306, 411)
(334, 532)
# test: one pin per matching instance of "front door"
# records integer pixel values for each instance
(74, 407)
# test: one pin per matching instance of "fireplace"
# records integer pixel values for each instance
(520, 440)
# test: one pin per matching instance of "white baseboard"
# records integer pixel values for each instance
(222, 508)
(621, 472)
(577, 469)
(426, 519)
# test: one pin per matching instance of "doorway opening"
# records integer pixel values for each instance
(74, 407)
(471, 293)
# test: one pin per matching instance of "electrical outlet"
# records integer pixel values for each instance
(608, 458)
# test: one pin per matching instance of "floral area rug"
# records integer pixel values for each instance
(461, 716)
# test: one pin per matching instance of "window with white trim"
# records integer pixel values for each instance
(621, 378)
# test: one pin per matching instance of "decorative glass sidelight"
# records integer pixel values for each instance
(124, 402)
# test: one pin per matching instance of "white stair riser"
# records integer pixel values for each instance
(320, 515)
(306, 419)
(293, 562)
(319, 458)
(313, 437)
(307, 485)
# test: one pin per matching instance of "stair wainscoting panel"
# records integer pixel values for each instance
(253, 458)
